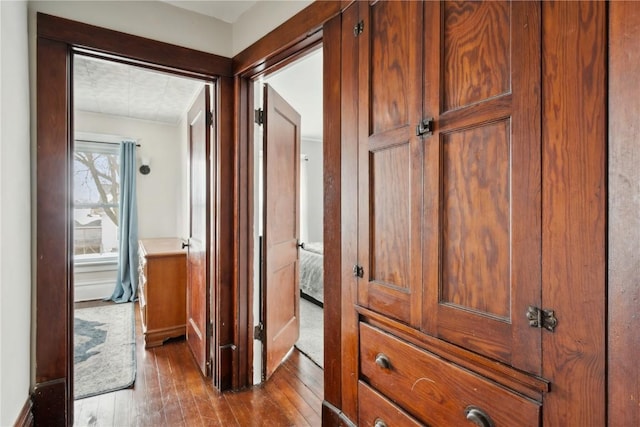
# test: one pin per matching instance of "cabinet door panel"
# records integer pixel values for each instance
(390, 159)
(475, 219)
(476, 51)
(482, 178)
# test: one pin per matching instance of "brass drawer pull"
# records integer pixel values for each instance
(383, 361)
(379, 423)
(478, 417)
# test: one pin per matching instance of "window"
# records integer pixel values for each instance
(96, 188)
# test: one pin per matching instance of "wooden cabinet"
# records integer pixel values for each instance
(451, 176)
(162, 289)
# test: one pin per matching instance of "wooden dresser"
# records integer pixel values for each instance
(162, 289)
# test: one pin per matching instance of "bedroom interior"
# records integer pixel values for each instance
(116, 102)
(300, 84)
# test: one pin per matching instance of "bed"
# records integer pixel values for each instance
(311, 272)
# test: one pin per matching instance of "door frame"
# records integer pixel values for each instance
(57, 39)
(320, 22)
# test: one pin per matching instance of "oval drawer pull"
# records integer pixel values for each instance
(379, 423)
(383, 361)
(478, 417)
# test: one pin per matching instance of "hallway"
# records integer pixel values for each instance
(169, 391)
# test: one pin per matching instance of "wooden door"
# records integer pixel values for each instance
(281, 279)
(198, 317)
(390, 160)
(449, 219)
(482, 182)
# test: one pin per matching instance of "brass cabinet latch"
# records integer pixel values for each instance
(539, 318)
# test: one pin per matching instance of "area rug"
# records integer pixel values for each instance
(104, 349)
(311, 341)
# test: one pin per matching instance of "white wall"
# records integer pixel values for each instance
(15, 213)
(315, 205)
(161, 192)
(261, 19)
(151, 19)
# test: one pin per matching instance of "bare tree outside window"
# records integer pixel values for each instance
(96, 187)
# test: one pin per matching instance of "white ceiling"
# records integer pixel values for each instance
(108, 87)
(227, 11)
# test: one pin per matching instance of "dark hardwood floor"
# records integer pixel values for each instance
(169, 391)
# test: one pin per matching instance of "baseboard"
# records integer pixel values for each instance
(50, 403)
(25, 418)
(89, 291)
(332, 416)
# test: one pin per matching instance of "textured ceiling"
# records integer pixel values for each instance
(108, 87)
(123, 90)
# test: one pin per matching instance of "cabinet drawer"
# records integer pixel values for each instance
(433, 390)
(375, 410)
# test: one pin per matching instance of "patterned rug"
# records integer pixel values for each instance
(104, 349)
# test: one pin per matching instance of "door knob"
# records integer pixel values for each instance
(185, 245)
(301, 245)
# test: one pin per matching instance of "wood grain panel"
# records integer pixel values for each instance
(222, 259)
(574, 215)
(54, 317)
(390, 159)
(334, 294)
(493, 208)
(393, 64)
(374, 407)
(624, 220)
(283, 204)
(476, 52)
(476, 219)
(433, 390)
(286, 39)
(390, 205)
(103, 40)
(347, 401)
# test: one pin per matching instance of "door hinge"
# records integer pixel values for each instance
(208, 368)
(539, 318)
(258, 332)
(358, 271)
(209, 118)
(209, 329)
(425, 127)
(358, 28)
(259, 116)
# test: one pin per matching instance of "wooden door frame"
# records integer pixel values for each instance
(57, 38)
(320, 22)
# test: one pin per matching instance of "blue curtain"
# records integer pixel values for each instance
(127, 279)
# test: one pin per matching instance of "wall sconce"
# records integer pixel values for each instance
(145, 167)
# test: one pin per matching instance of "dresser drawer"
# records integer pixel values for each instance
(376, 411)
(435, 391)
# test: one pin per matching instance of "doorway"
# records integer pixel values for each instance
(116, 102)
(300, 85)
(58, 40)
